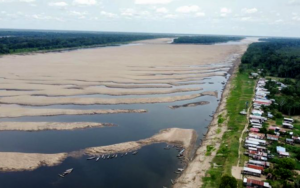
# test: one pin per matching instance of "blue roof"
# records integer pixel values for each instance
(279, 148)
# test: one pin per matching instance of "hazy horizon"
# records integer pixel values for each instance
(256, 18)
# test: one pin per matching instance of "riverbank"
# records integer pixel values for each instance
(192, 176)
(197, 172)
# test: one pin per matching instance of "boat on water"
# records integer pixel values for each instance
(91, 158)
(69, 171)
(172, 182)
(134, 153)
(97, 159)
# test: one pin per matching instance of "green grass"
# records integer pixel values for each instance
(209, 149)
(227, 155)
(221, 119)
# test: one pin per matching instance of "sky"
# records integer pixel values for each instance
(225, 17)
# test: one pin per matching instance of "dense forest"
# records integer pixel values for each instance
(205, 39)
(278, 57)
(26, 41)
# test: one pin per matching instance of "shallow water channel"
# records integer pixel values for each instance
(153, 167)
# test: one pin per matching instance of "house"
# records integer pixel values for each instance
(255, 167)
(258, 118)
(261, 142)
(251, 171)
(262, 102)
(289, 141)
(282, 151)
(288, 120)
(296, 139)
(257, 112)
(272, 137)
(255, 130)
(259, 163)
(251, 183)
(254, 74)
(287, 125)
(256, 135)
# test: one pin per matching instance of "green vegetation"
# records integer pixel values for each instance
(228, 182)
(205, 39)
(221, 119)
(227, 155)
(209, 149)
(17, 41)
(275, 57)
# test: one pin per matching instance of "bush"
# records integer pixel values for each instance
(228, 182)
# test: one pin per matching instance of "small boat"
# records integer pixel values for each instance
(91, 158)
(66, 173)
(172, 182)
(180, 169)
(126, 153)
(97, 159)
(103, 157)
(108, 157)
(116, 155)
(135, 152)
(122, 155)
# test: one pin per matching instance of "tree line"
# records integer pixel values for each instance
(205, 39)
(24, 41)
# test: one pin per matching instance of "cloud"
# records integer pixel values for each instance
(78, 14)
(162, 10)
(171, 16)
(27, 1)
(134, 13)
(108, 14)
(200, 14)
(225, 11)
(249, 10)
(188, 9)
(294, 2)
(58, 4)
(144, 2)
(85, 2)
(44, 17)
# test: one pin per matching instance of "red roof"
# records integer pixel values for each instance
(255, 167)
(256, 182)
(254, 129)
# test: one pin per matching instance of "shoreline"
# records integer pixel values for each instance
(196, 169)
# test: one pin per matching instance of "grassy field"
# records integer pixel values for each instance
(242, 91)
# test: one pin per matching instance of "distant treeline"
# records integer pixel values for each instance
(278, 57)
(27, 41)
(205, 39)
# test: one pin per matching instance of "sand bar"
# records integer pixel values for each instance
(190, 104)
(42, 126)
(44, 101)
(11, 112)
